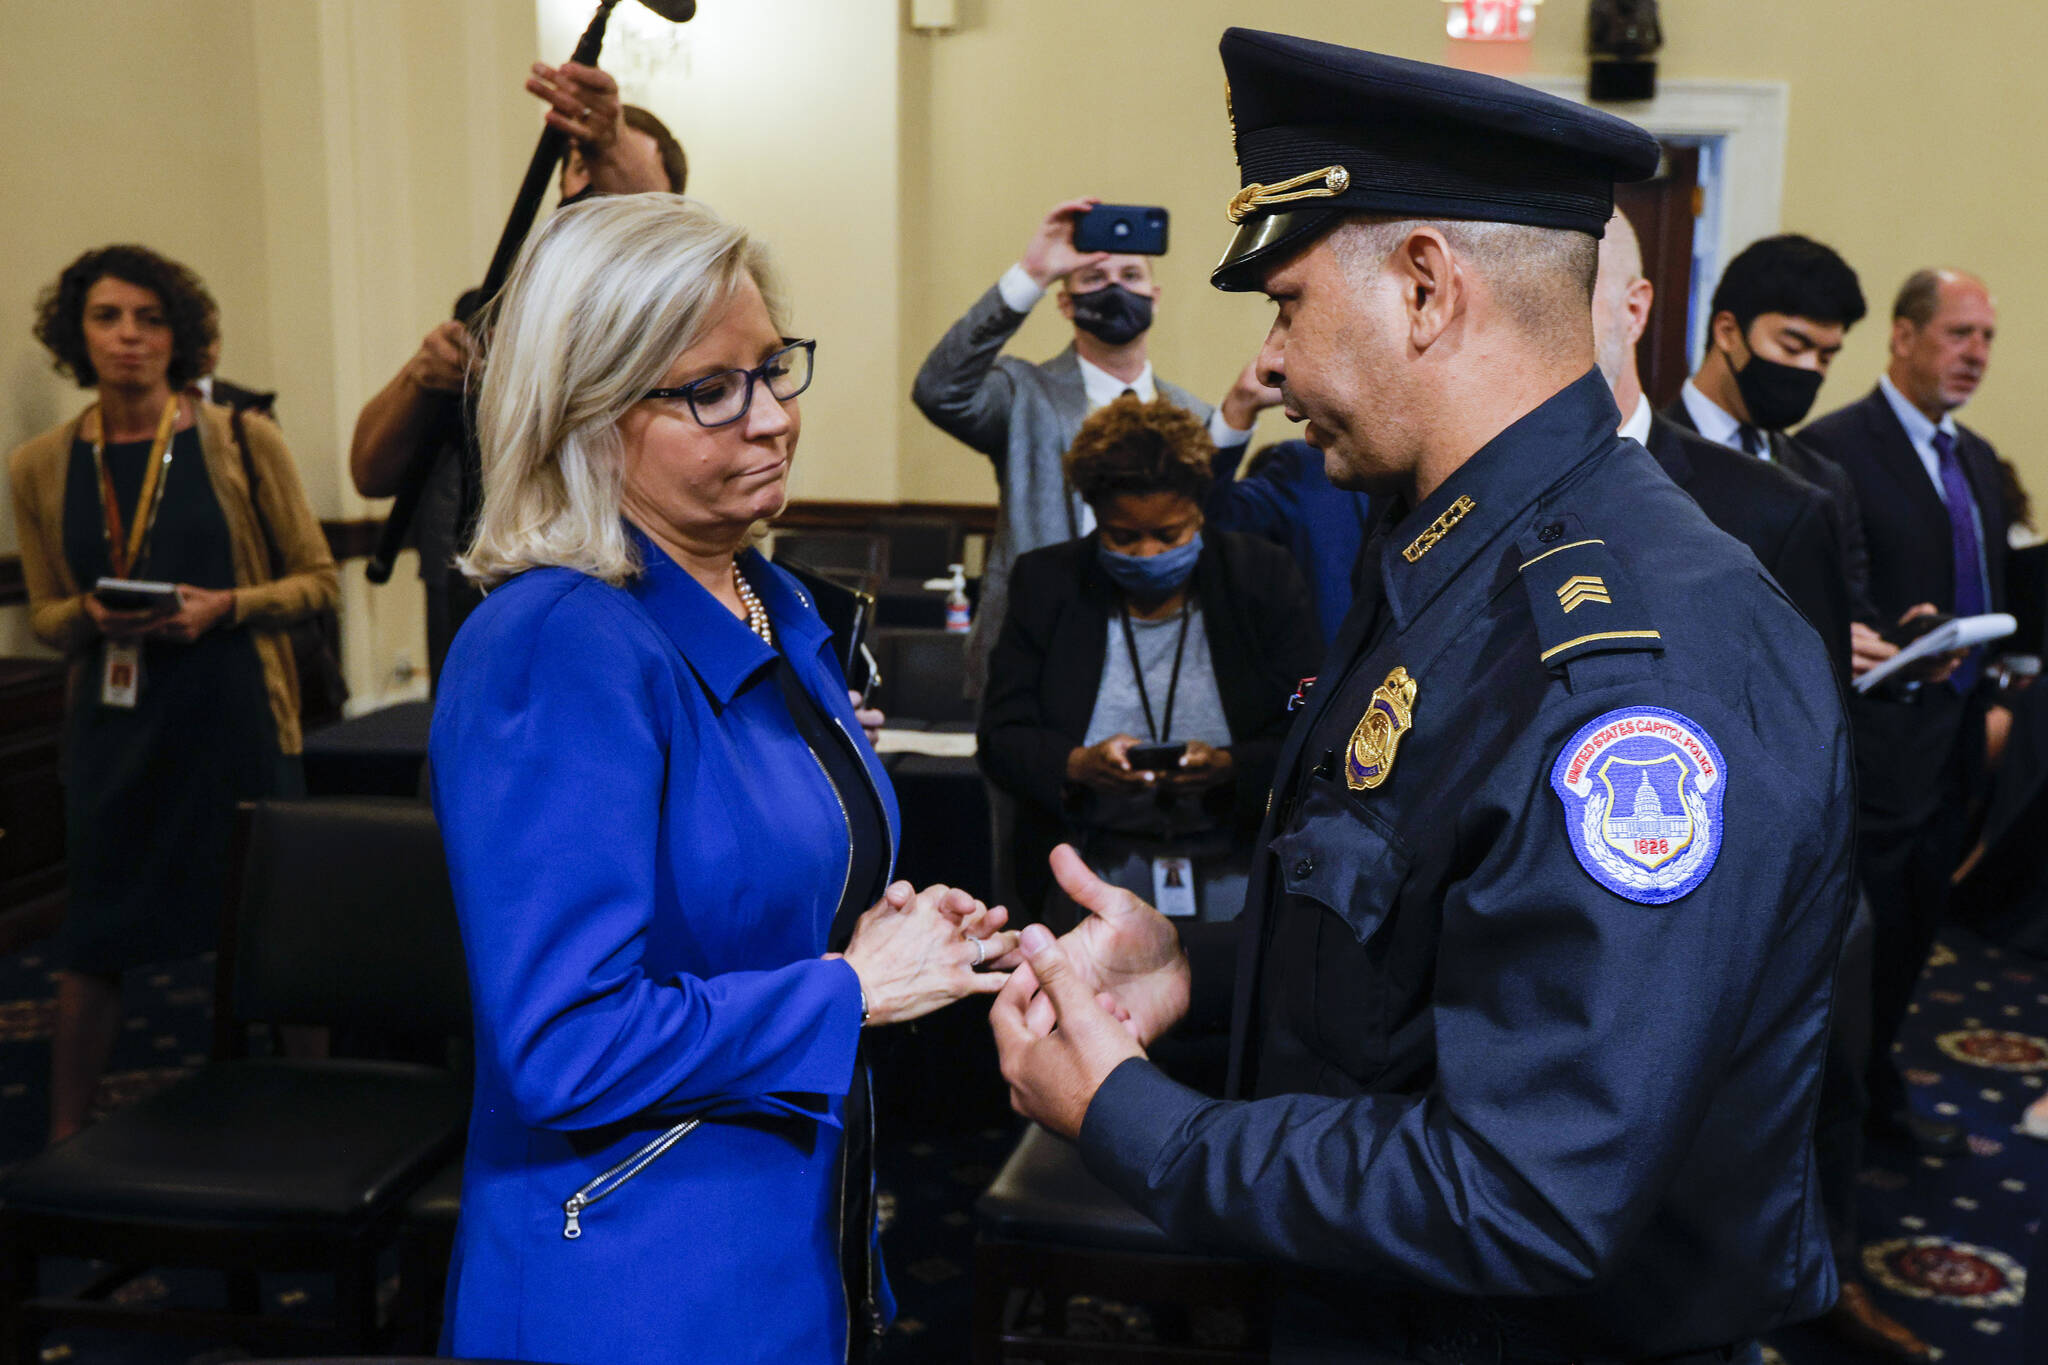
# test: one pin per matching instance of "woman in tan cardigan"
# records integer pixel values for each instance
(174, 715)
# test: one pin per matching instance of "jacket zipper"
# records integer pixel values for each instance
(860, 762)
(844, 882)
(614, 1180)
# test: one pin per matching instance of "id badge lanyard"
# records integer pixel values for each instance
(121, 662)
(1161, 728)
(124, 552)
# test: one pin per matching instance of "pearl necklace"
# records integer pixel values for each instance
(757, 615)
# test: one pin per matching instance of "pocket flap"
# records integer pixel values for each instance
(1342, 855)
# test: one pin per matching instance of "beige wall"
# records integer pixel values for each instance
(85, 79)
(338, 170)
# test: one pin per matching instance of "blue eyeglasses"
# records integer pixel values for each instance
(719, 399)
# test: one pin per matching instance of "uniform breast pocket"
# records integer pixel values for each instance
(1343, 868)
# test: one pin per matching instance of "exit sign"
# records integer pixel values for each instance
(1491, 21)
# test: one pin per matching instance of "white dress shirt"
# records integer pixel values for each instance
(1103, 387)
(1020, 294)
(1637, 427)
(1715, 422)
(1919, 430)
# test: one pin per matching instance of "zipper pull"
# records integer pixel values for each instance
(573, 1210)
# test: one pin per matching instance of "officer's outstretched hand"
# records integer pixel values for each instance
(1123, 949)
(1053, 1074)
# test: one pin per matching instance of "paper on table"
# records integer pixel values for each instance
(1964, 632)
(940, 743)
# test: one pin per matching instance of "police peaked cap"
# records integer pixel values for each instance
(1323, 131)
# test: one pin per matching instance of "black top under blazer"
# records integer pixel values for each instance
(1046, 670)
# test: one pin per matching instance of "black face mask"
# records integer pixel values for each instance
(1112, 314)
(1777, 396)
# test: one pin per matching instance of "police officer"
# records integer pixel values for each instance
(1538, 953)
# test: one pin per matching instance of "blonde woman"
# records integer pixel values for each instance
(660, 815)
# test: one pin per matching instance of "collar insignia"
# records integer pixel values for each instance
(1437, 530)
(1370, 756)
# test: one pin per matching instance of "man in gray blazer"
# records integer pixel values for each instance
(1024, 416)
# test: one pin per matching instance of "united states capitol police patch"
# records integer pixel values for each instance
(1642, 791)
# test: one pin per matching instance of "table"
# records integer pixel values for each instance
(945, 806)
(379, 753)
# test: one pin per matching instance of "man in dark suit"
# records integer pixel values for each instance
(1786, 523)
(1935, 521)
(1781, 311)
(1783, 519)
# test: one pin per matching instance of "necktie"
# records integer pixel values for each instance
(1752, 439)
(1962, 534)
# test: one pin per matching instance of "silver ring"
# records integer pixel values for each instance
(585, 115)
(980, 951)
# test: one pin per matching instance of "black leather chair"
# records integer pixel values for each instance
(921, 547)
(924, 675)
(1065, 1271)
(426, 1241)
(341, 917)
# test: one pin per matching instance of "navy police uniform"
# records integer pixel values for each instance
(1540, 943)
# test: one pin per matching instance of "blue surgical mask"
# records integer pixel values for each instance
(1151, 577)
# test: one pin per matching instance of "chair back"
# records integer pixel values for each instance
(921, 547)
(341, 915)
(925, 675)
(862, 553)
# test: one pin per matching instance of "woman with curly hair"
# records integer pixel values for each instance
(1137, 695)
(173, 714)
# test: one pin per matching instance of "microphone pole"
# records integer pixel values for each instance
(450, 421)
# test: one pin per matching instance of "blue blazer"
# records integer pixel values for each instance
(646, 860)
(1292, 503)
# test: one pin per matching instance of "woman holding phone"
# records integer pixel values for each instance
(176, 711)
(1138, 690)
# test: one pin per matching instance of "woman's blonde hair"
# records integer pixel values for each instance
(601, 302)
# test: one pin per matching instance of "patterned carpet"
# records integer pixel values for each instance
(1945, 1242)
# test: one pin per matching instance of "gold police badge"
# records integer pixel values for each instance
(1370, 756)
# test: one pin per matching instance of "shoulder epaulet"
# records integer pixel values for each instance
(1582, 600)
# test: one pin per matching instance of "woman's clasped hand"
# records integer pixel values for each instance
(919, 951)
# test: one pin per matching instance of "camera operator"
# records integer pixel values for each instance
(614, 149)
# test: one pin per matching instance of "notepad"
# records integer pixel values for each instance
(1964, 632)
